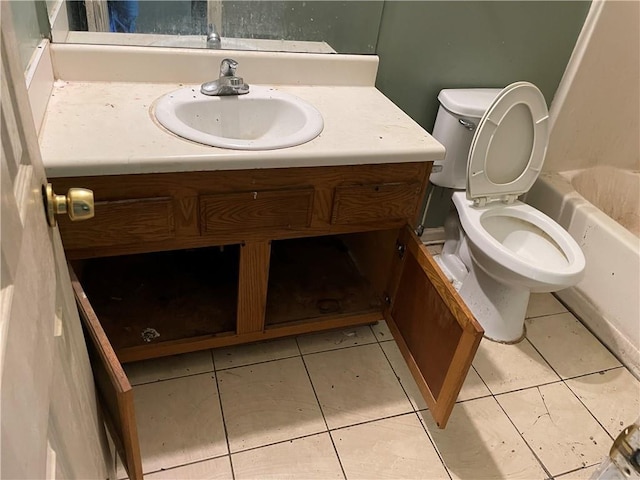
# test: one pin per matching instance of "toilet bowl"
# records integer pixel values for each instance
(517, 243)
(498, 250)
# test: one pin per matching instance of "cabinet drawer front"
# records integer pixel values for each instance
(369, 203)
(121, 222)
(244, 211)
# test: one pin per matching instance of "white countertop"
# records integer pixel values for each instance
(106, 128)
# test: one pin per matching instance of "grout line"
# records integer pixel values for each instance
(577, 470)
(288, 440)
(544, 358)
(374, 333)
(336, 349)
(365, 422)
(526, 388)
(406, 394)
(194, 462)
(324, 419)
(328, 431)
(597, 340)
(547, 472)
(171, 378)
(481, 379)
(590, 412)
(543, 315)
(433, 442)
(224, 422)
(604, 370)
(299, 354)
(584, 324)
(271, 360)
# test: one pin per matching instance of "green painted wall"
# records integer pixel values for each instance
(425, 46)
(348, 26)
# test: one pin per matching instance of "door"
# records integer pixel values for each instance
(50, 424)
(435, 331)
(113, 386)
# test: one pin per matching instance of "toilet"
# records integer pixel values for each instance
(498, 249)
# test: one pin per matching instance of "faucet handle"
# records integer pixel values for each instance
(228, 67)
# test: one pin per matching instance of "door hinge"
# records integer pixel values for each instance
(400, 248)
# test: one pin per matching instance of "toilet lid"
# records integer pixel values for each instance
(509, 145)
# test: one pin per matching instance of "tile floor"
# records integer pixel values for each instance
(343, 405)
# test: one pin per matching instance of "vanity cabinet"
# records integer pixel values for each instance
(179, 262)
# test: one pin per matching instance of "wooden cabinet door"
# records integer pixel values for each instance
(435, 331)
(114, 389)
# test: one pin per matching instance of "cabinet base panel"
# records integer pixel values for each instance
(163, 349)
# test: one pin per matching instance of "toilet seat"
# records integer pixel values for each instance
(527, 249)
(509, 145)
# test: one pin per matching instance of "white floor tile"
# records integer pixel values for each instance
(381, 331)
(473, 387)
(568, 346)
(179, 421)
(356, 385)
(305, 458)
(268, 403)
(241, 355)
(557, 426)
(435, 249)
(581, 474)
(505, 368)
(542, 304)
(480, 442)
(165, 368)
(349, 337)
(392, 448)
(613, 397)
(216, 469)
(403, 373)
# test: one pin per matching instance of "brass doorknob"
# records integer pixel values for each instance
(77, 203)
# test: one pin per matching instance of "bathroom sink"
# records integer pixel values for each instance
(263, 119)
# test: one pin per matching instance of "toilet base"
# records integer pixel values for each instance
(500, 309)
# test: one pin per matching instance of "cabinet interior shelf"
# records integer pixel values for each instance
(159, 297)
(152, 298)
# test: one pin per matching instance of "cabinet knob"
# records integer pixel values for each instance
(77, 203)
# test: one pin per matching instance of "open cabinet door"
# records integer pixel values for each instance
(435, 331)
(113, 386)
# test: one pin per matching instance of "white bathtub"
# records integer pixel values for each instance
(599, 207)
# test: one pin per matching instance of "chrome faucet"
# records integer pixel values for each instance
(228, 83)
(213, 37)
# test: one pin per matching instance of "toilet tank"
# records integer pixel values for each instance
(458, 116)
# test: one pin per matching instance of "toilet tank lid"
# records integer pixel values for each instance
(468, 102)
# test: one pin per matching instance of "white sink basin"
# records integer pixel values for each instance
(263, 119)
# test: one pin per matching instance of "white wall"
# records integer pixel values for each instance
(27, 27)
(596, 110)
